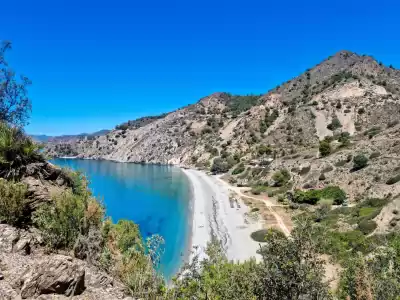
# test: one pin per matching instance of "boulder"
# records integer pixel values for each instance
(58, 274)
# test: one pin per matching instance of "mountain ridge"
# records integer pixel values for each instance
(346, 94)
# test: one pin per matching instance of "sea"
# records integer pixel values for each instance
(156, 197)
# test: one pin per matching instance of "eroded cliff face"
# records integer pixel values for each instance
(346, 93)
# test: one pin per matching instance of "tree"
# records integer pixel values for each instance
(360, 161)
(291, 267)
(15, 105)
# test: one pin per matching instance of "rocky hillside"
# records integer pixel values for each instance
(351, 98)
(29, 269)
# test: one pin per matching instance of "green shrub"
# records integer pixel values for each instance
(335, 124)
(13, 208)
(344, 139)
(238, 103)
(325, 148)
(262, 149)
(16, 150)
(281, 177)
(360, 161)
(258, 189)
(372, 131)
(333, 193)
(68, 216)
(393, 180)
(263, 235)
(219, 165)
(206, 130)
(136, 259)
(367, 226)
(239, 169)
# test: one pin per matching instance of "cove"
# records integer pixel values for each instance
(156, 197)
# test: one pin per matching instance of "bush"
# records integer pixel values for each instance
(360, 161)
(333, 193)
(13, 208)
(206, 130)
(372, 131)
(16, 151)
(262, 149)
(367, 226)
(335, 124)
(325, 148)
(344, 139)
(393, 180)
(258, 189)
(220, 165)
(68, 216)
(136, 262)
(263, 235)
(239, 169)
(281, 177)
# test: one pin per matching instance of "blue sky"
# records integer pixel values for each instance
(95, 64)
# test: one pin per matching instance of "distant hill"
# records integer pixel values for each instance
(62, 138)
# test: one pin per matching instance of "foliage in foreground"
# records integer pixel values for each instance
(12, 202)
(16, 151)
(131, 259)
(70, 215)
(290, 269)
(74, 215)
(375, 277)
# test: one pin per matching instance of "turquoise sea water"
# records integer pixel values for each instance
(155, 197)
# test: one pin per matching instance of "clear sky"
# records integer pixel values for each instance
(95, 64)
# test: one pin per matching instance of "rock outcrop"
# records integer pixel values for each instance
(27, 271)
(57, 274)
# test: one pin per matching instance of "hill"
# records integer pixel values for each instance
(42, 138)
(347, 94)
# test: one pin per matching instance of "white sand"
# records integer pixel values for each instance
(214, 216)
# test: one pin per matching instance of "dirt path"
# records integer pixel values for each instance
(267, 203)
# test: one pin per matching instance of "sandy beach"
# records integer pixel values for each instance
(214, 215)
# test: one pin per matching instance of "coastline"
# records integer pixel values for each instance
(215, 216)
(212, 215)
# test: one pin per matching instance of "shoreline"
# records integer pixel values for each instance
(215, 216)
